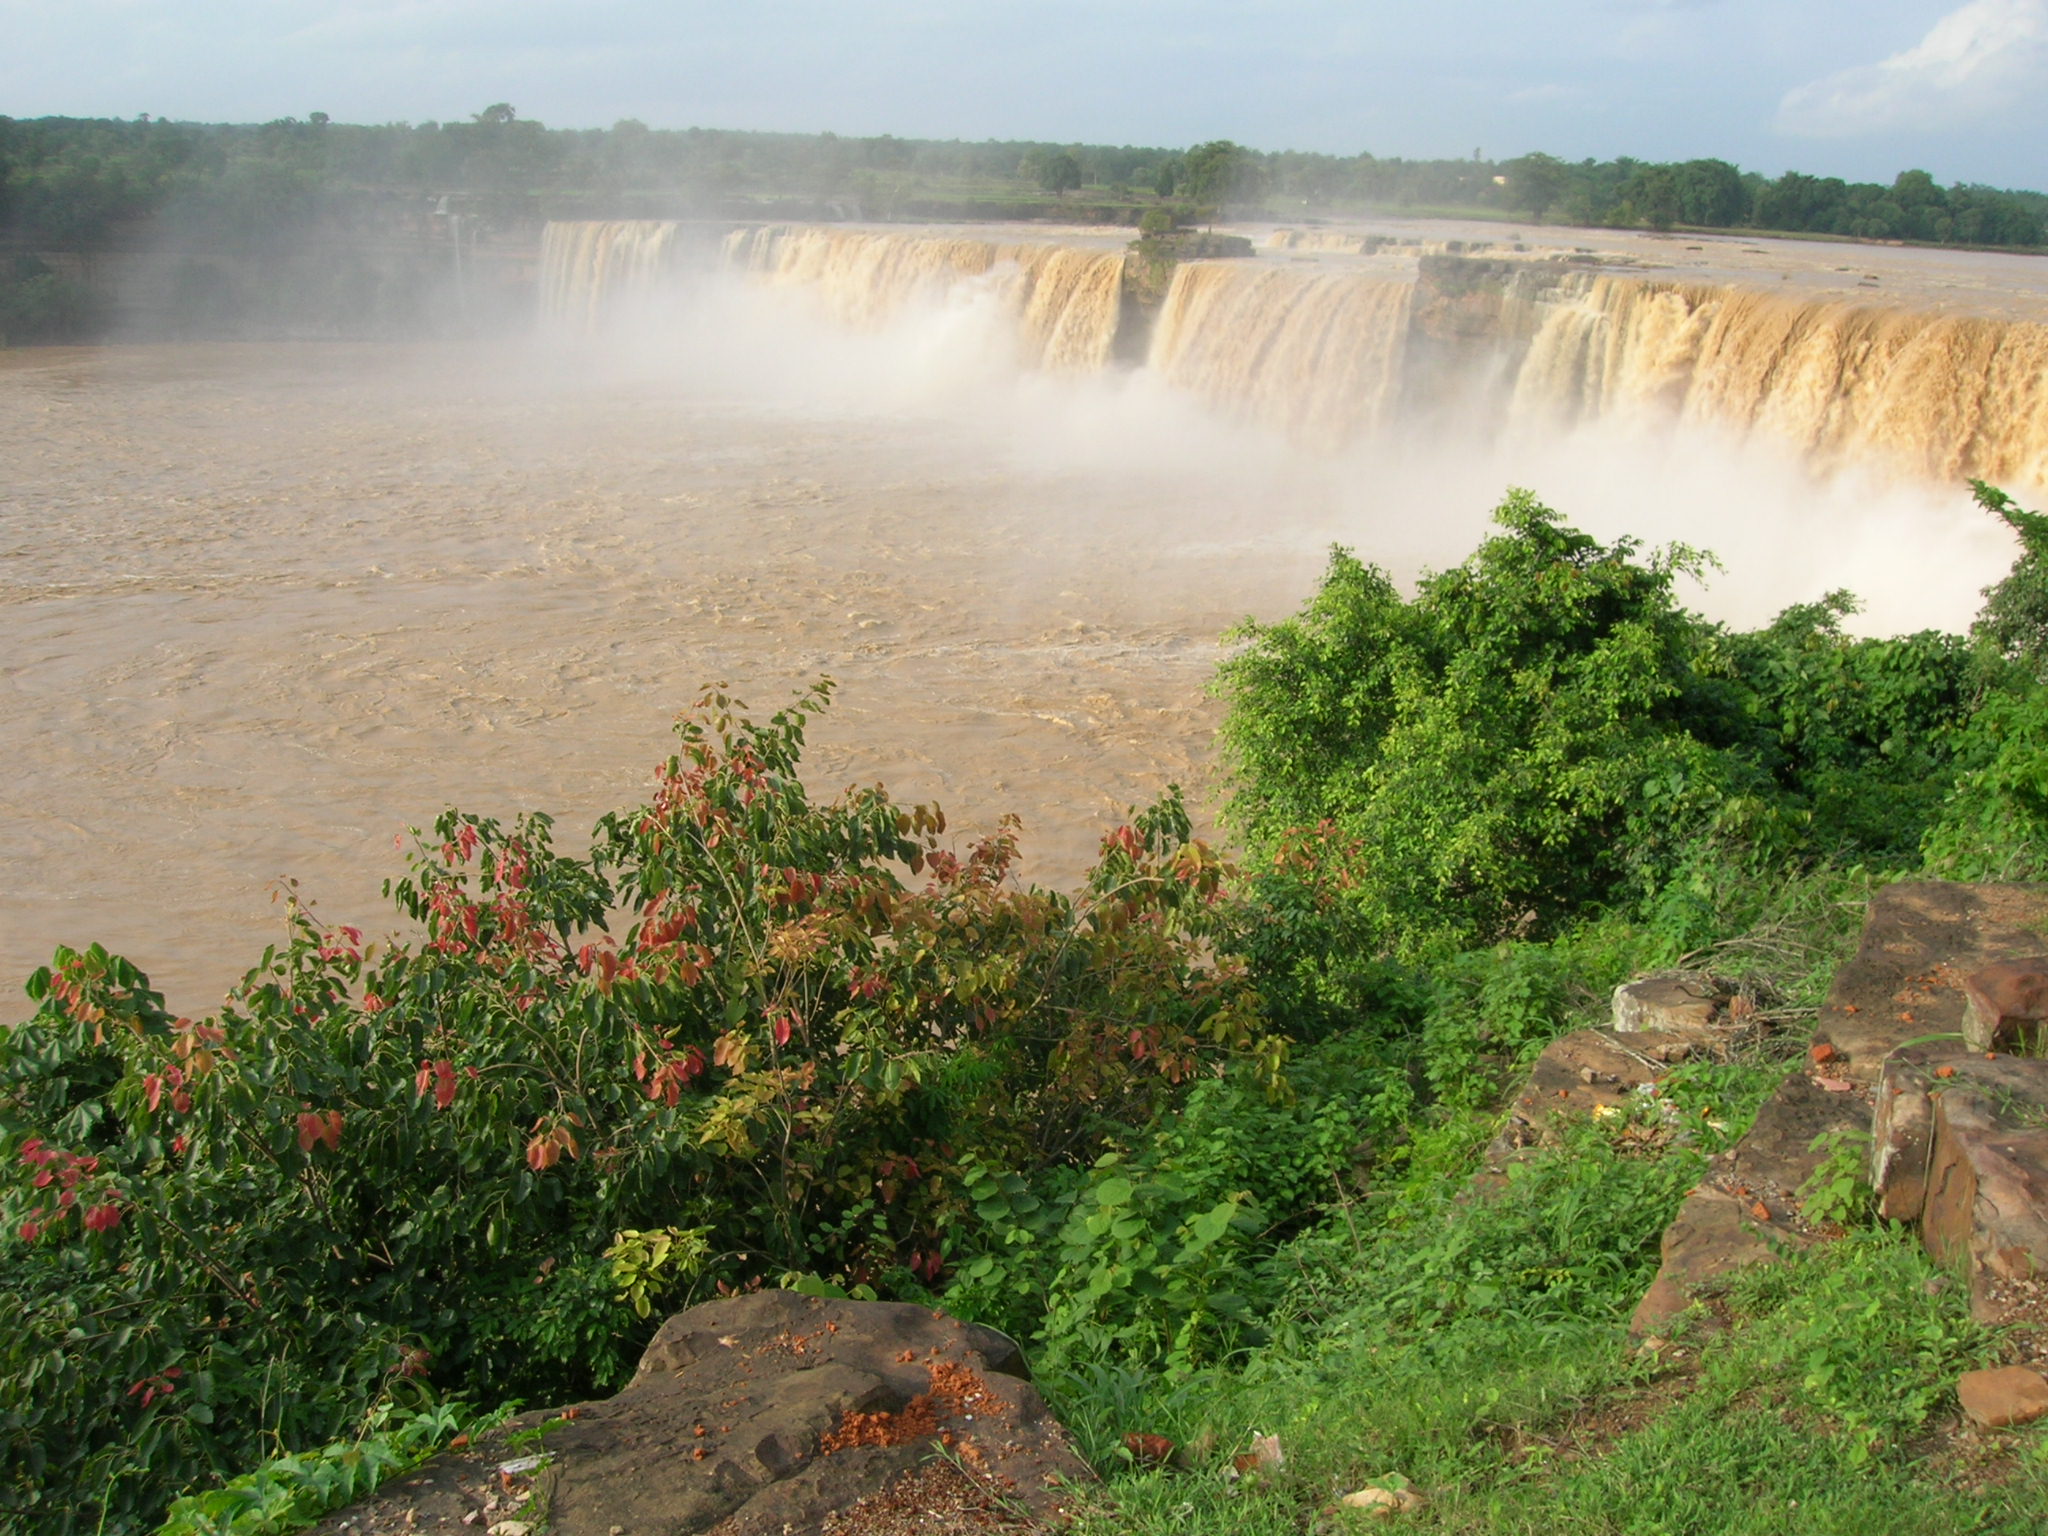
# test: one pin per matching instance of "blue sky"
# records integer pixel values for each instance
(1860, 88)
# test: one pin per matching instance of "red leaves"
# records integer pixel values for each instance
(69, 1172)
(458, 849)
(672, 1074)
(546, 1147)
(1125, 841)
(344, 943)
(781, 1030)
(440, 1075)
(172, 1077)
(154, 1387)
(317, 1129)
(796, 887)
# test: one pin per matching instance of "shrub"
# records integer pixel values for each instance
(1496, 751)
(443, 1158)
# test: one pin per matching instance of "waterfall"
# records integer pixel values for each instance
(588, 265)
(1066, 300)
(1329, 351)
(1935, 396)
(1314, 354)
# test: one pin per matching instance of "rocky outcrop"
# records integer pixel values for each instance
(1959, 1139)
(1972, 1151)
(2002, 1000)
(774, 1414)
(1590, 1072)
(1746, 1209)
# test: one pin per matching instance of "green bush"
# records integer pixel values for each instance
(1542, 734)
(1495, 753)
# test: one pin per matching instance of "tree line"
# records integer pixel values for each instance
(72, 187)
(69, 184)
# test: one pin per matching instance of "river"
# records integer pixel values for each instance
(263, 606)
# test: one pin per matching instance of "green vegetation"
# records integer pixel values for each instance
(1203, 1137)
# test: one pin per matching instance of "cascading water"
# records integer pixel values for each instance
(1066, 300)
(587, 265)
(1939, 397)
(1326, 352)
(1316, 355)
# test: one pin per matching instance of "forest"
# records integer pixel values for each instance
(1200, 1133)
(70, 188)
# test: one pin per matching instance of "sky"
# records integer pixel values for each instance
(1856, 88)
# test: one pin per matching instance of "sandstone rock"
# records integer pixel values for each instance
(1920, 940)
(2013, 1394)
(1901, 1137)
(1987, 1183)
(2002, 999)
(1711, 1236)
(1778, 1155)
(1902, 1125)
(1675, 1002)
(777, 1414)
(1587, 1072)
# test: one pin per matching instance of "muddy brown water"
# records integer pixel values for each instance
(264, 606)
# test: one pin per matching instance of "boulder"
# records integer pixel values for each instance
(2013, 1394)
(2002, 999)
(1902, 1125)
(1674, 1002)
(774, 1414)
(1986, 1206)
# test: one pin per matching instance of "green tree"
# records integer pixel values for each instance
(1059, 173)
(1652, 196)
(1219, 173)
(1535, 182)
(2014, 619)
(1710, 193)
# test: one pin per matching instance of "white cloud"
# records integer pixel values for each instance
(1973, 64)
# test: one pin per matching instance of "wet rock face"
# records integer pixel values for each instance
(777, 1414)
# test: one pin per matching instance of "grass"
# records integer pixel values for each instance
(1478, 1349)
(1823, 1404)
